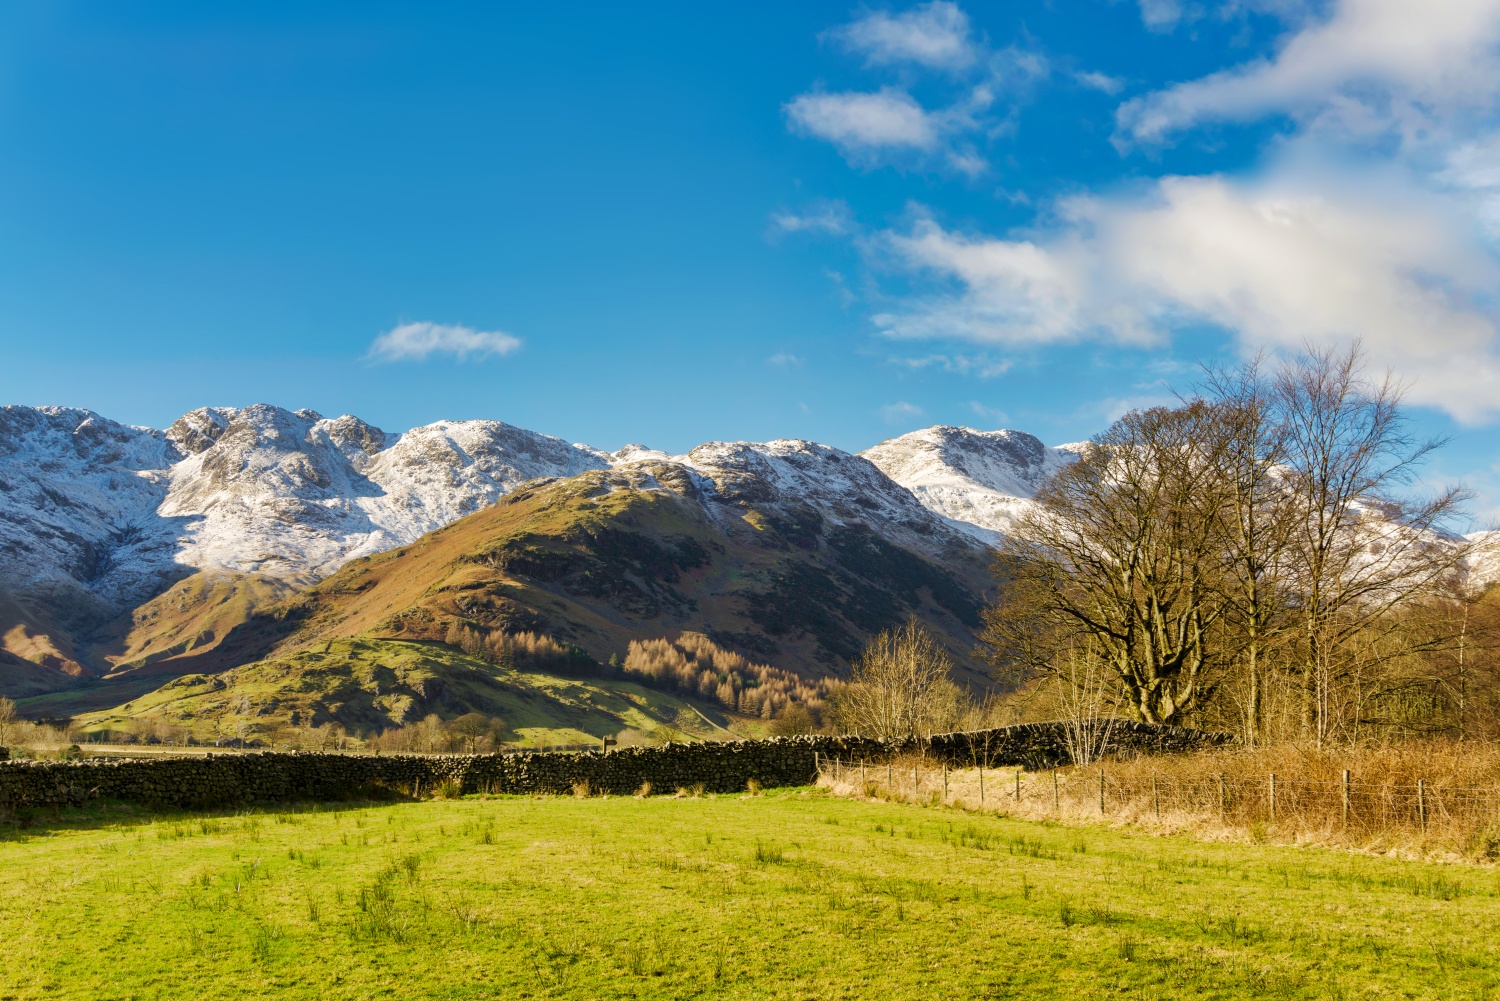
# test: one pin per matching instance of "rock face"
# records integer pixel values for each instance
(114, 513)
(78, 504)
(980, 481)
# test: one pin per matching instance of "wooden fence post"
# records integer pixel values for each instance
(981, 783)
(1155, 795)
(1422, 804)
(1101, 792)
(945, 781)
(1056, 808)
(1344, 784)
(890, 783)
(1018, 785)
(1223, 796)
(1273, 797)
(916, 783)
(863, 782)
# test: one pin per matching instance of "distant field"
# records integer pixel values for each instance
(788, 895)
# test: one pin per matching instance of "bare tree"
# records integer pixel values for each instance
(1256, 524)
(8, 717)
(901, 686)
(1123, 555)
(1360, 548)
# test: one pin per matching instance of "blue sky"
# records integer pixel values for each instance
(670, 223)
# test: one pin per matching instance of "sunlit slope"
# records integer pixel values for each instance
(607, 557)
(367, 686)
(184, 627)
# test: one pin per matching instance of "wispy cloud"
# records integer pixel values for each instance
(856, 122)
(418, 341)
(901, 412)
(982, 366)
(1370, 66)
(1161, 15)
(785, 359)
(1276, 263)
(998, 417)
(1102, 82)
(935, 35)
(889, 127)
(825, 215)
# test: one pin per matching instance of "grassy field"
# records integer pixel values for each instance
(792, 894)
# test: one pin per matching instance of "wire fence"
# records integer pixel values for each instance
(1350, 806)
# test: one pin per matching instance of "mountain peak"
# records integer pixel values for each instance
(981, 481)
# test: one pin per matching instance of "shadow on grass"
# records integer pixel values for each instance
(25, 823)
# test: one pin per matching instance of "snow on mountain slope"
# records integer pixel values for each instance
(113, 514)
(297, 494)
(806, 480)
(78, 501)
(118, 512)
(980, 480)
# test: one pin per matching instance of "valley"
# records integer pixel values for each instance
(150, 581)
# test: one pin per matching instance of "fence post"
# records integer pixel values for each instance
(1344, 783)
(1018, 785)
(945, 781)
(981, 784)
(817, 768)
(1056, 808)
(890, 782)
(863, 783)
(916, 783)
(1155, 795)
(1422, 804)
(1101, 792)
(1223, 796)
(1273, 797)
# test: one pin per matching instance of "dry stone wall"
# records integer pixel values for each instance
(224, 780)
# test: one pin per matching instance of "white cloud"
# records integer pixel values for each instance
(1099, 81)
(785, 359)
(982, 366)
(416, 341)
(901, 412)
(890, 127)
(1161, 15)
(821, 216)
(1370, 66)
(859, 121)
(935, 35)
(1272, 263)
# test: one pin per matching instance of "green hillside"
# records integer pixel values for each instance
(368, 685)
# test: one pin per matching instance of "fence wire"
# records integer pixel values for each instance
(1359, 807)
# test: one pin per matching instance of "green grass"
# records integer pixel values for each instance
(787, 895)
(368, 684)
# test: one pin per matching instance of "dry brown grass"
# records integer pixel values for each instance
(1226, 795)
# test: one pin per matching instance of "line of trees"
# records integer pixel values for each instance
(697, 666)
(1252, 559)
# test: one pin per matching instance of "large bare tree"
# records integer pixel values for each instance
(1258, 541)
(1122, 559)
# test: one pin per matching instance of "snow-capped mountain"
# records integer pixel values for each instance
(115, 513)
(119, 511)
(981, 481)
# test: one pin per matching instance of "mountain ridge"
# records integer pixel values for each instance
(123, 546)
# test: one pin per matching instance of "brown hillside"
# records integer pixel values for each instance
(608, 557)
